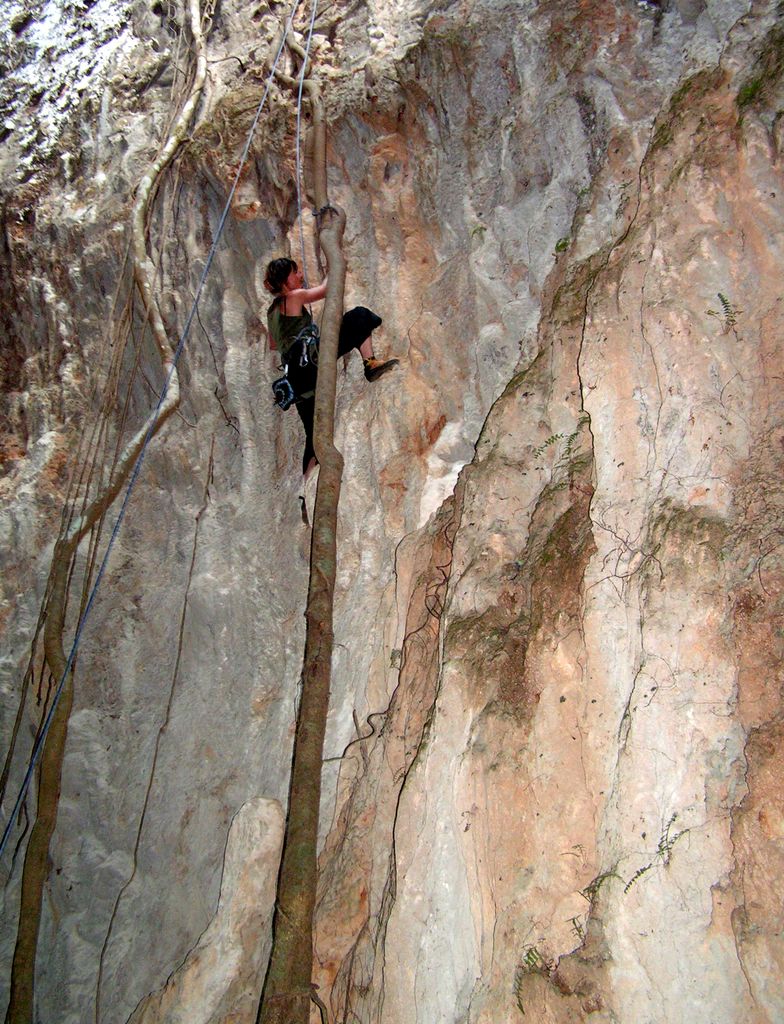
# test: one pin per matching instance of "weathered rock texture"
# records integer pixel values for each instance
(559, 613)
(220, 976)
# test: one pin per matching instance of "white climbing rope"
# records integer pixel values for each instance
(299, 140)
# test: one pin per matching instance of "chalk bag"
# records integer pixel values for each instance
(283, 392)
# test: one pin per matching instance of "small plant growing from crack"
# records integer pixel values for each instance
(533, 962)
(568, 454)
(591, 891)
(667, 841)
(551, 440)
(637, 876)
(728, 315)
(569, 459)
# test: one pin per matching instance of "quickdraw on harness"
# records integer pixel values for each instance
(304, 349)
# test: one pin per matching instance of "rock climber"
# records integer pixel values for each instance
(286, 318)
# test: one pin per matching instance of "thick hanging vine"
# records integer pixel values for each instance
(287, 993)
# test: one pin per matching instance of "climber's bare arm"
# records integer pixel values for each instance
(304, 296)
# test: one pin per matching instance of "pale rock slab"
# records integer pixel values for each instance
(220, 978)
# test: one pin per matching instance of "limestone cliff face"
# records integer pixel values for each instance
(554, 756)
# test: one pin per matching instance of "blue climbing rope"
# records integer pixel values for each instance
(38, 746)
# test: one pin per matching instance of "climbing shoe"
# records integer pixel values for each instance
(374, 368)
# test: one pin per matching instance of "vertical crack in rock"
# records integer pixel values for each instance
(358, 865)
(497, 661)
(749, 897)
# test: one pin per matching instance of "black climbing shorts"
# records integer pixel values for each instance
(355, 328)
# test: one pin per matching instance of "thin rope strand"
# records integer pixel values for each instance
(299, 141)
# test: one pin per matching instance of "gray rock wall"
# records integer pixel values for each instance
(558, 615)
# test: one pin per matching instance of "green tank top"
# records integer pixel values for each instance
(284, 329)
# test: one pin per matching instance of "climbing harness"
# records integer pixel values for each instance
(308, 341)
(304, 349)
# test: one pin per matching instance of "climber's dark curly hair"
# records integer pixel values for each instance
(277, 272)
